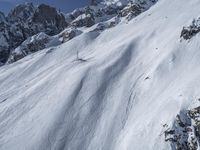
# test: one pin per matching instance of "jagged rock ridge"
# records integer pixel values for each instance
(26, 20)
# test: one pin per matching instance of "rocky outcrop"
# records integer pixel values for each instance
(190, 31)
(107, 24)
(47, 19)
(24, 21)
(33, 44)
(185, 133)
(41, 41)
(4, 43)
(102, 11)
(69, 34)
(21, 13)
(2, 17)
(4, 54)
(131, 10)
(86, 19)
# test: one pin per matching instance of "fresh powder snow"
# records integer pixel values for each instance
(135, 78)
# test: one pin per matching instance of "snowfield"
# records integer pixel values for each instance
(135, 78)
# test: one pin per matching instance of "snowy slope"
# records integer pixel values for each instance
(136, 77)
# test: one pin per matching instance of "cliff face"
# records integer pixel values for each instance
(26, 20)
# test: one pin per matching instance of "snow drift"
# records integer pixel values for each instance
(135, 78)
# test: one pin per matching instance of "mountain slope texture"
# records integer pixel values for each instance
(116, 75)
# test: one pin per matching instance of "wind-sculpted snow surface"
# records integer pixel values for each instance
(136, 78)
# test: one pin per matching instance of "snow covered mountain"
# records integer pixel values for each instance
(24, 21)
(27, 20)
(107, 82)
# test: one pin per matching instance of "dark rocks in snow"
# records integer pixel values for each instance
(21, 12)
(43, 18)
(127, 11)
(69, 34)
(131, 10)
(73, 15)
(4, 54)
(190, 31)
(50, 19)
(147, 78)
(185, 133)
(2, 17)
(107, 24)
(82, 17)
(111, 10)
(24, 21)
(31, 45)
(88, 16)
(86, 19)
(195, 115)
(4, 43)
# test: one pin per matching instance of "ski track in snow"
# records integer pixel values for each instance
(137, 77)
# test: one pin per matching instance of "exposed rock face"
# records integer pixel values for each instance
(69, 34)
(4, 44)
(21, 13)
(25, 21)
(31, 45)
(185, 134)
(98, 11)
(86, 20)
(41, 41)
(4, 54)
(2, 17)
(50, 21)
(190, 31)
(82, 17)
(131, 10)
(107, 24)
(103, 10)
